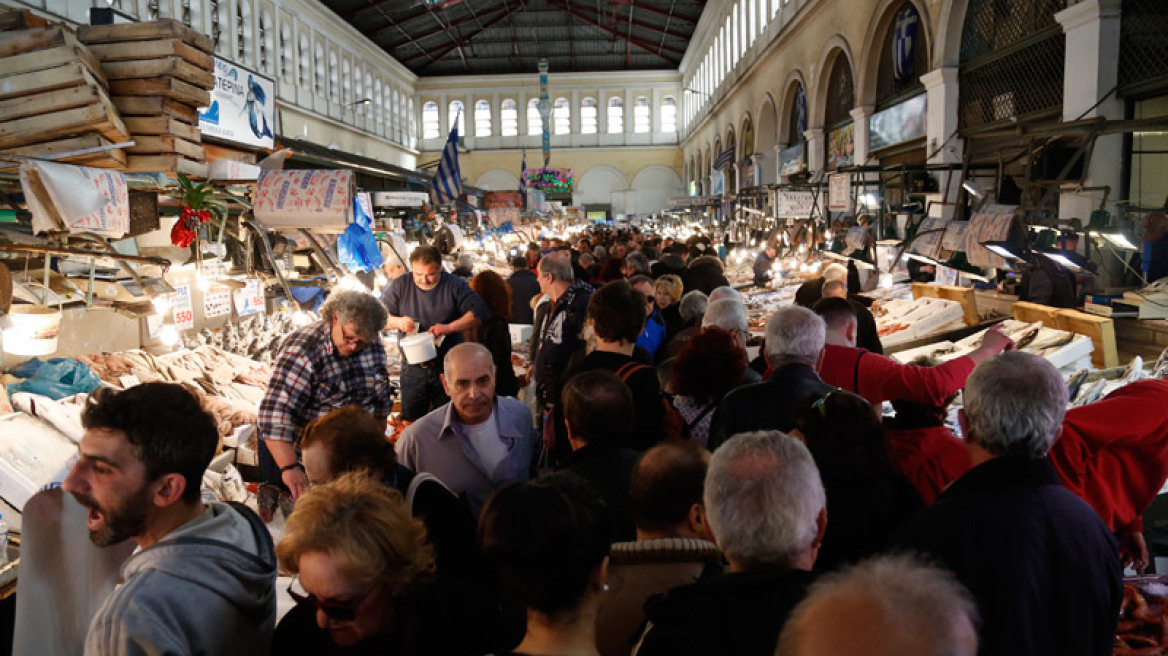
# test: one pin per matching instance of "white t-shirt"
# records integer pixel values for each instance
(484, 438)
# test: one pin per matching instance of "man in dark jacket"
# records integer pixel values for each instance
(767, 510)
(795, 339)
(811, 291)
(1042, 566)
(705, 274)
(763, 264)
(597, 406)
(524, 286)
(867, 335)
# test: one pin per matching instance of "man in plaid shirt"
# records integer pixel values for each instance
(335, 362)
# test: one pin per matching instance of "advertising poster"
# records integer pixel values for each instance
(841, 147)
(243, 107)
(897, 124)
(791, 160)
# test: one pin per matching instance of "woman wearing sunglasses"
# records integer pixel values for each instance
(363, 576)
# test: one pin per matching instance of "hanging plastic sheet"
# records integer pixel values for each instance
(321, 201)
(357, 247)
(76, 198)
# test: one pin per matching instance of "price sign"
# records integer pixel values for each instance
(839, 196)
(249, 299)
(216, 301)
(184, 313)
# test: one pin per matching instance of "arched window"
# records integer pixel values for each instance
(367, 107)
(616, 115)
(303, 62)
(904, 58)
(797, 119)
(534, 124)
(563, 110)
(267, 37)
(588, 116)
(840, 93)
(482, 118)
(219, 25)
(320, 79)
(285, 50)
(378, 107)
(454, 116)
(642, 117)
(669, 114)
(346, 82)
(430, 129)
(508, 118)
(334, 91)
(243, 43)
(358, 93)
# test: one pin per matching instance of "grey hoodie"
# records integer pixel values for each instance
(206, 588)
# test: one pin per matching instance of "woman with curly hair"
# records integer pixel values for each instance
(667, 291)
(709, 366)
(495, 333)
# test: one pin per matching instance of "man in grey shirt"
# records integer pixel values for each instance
(478, 441)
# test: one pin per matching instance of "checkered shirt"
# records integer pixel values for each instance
(310, 379)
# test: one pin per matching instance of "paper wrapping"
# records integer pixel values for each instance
(953, 238)
(76, 198)
(319, 200)
(928, 240)
(992, 223)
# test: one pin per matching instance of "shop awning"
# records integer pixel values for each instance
(307, 152)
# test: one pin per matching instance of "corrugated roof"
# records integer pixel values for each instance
(481, 37)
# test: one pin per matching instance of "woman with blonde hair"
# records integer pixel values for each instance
(667, 290)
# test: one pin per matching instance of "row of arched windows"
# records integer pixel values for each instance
(561, 117)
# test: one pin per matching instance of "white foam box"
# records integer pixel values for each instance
(520, 332)
(32, 455)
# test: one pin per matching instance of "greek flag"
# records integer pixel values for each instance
(801, 110)
(448, 178)
(904, 42)
(724, 158)
(523, 174)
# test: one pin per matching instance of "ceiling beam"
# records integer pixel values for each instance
(442, 53)
(686, 19)
(647, 47)
(427, 33)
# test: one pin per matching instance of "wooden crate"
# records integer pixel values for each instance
(39, 60)
(152, 49)
(166, 145)
(1031, 312)
(99, 117)
(159, 125)
(963, 295)
(155, 106)
(20, 19)
(21, 41)
(113, 158)
(66, 76)
(149, 31)
(166, 87)
(1101, 330)
(166, 164)
(49, 101)
(175, 67)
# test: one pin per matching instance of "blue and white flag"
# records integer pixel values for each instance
(448, 177)
(523, 174)
(904, 42)
(801, 110)
(724, 158)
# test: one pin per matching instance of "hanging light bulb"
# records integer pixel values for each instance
(202, 281)
(301, 318)
(381, 279)
(351, 283)
(161, 304)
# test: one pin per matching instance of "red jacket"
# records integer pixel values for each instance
(930, 458)
(1114, 453)
(878, 378)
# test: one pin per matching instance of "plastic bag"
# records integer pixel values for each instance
(357, 247)
(58, 378)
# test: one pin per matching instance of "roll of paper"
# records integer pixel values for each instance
(319, 200)
(992, 223)
(76, 198)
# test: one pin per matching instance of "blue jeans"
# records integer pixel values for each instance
(421, 391)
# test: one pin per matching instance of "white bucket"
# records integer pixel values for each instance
(34, 330)
(419, 348)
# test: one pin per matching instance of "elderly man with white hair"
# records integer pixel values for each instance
(767, 510)
(884, 606)
(477, 441)
(1042, 565)
(811, 291)
(795, 338)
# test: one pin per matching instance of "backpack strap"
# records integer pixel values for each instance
(628, 369)
(698, 419)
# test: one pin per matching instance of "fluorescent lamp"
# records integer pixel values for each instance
(972, 190)
(1062, 260)
(1004, 249)
(921, 258)
(1117, 239)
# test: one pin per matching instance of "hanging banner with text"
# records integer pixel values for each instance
(839, 192)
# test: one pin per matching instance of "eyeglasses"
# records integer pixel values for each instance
(820, 404)
(340, 611)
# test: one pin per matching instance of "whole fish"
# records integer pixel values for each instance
(1075, 383)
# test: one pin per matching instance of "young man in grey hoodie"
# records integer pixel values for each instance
(202, 580)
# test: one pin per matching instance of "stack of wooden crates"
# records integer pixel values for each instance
(160, 73)
(54, 96)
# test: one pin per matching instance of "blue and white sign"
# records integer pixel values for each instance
(243, 107)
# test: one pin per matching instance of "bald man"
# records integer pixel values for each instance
(477, 441)
(885, 606)
(867, 334)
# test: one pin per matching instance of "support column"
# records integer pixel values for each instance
(941, 123)
(860, 116)
(815, 146)
(1092, 69)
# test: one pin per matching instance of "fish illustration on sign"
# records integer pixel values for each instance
(255, 99)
